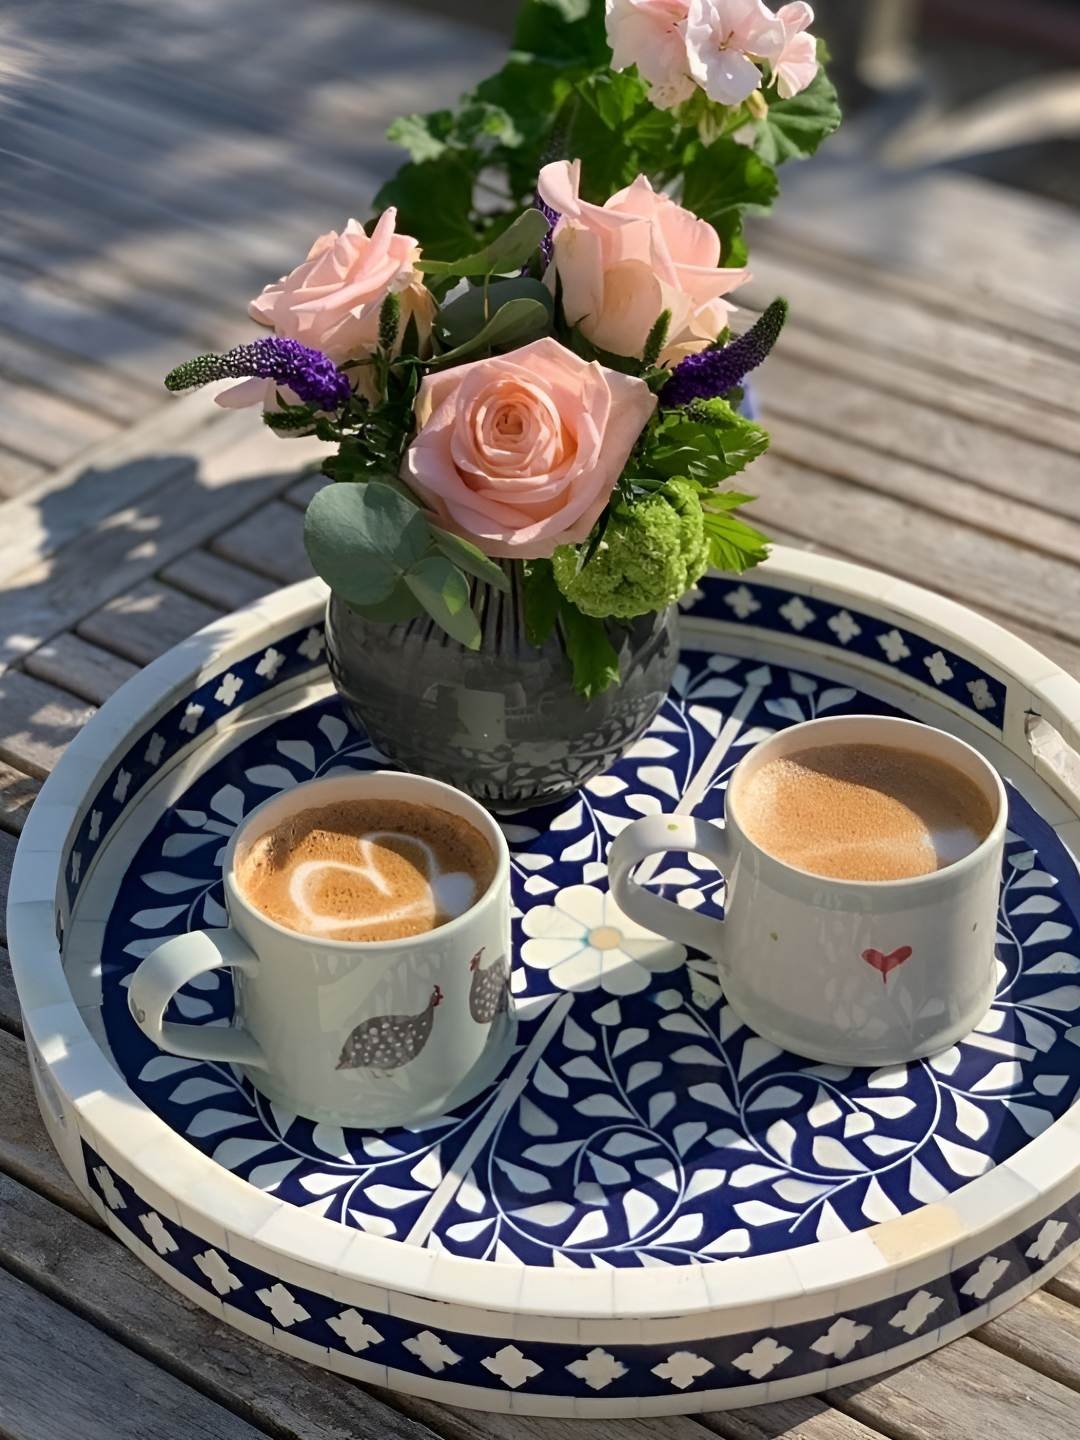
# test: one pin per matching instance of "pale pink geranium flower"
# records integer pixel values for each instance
(332, 301)
(723, 39)
(795, 66)
(624, 262)
(651, 34)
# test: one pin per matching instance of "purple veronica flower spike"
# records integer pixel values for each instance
(715, 372)
(310, 375)
(552, 217)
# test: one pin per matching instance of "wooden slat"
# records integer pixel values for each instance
(17, 793)
(84, 384)
(17, 473)
(130, 545)
(964, 1392)
(10, 1015)
(146, 621)
(869, 318)
(847, 412)
(999, 256)
(95, 1275)
(270, 541)
(944, 554)
(1043, 1333)
(217, 581)
(26, 1153)
(46, 429)
(60, 1376)
(809, 1419)
(37, 722)
(7, 857)
(86, 670)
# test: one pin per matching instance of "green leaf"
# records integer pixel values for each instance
(361, 538)
(593, 660)
(444, 593)
(508, 251)
(514, 324)
(468, 557)
(733, 544)
(481, 125)
(708, 443)
(795, 128)
(465, 317)
(728, 176)
(656, 339)
(542, 601)
(733, 249)
(423, 136)
(400, 605)
(564, 31)
(434, 201)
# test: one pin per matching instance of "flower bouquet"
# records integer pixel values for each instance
(525, 363)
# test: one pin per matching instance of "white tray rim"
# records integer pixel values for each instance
(726, 1296)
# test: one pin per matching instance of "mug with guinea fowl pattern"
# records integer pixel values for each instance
(371, 1033)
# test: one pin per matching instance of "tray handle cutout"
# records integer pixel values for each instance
(1055, 757)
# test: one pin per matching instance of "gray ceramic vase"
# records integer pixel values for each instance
(502, 723)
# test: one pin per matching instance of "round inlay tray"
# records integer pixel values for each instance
(653, 1210)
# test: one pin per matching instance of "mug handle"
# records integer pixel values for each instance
(652, 836)
(171, 966)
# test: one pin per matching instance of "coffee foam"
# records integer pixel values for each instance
(366, 870)
(863, 812)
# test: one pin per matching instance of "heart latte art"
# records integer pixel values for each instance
(366, 870)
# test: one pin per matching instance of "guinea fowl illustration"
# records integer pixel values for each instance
(386, 1042)
(488, 993)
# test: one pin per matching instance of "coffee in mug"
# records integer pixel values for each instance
(366, 870)
(864, 812)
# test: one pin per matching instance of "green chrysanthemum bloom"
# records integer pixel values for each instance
(653, 551)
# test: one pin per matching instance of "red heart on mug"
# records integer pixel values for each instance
(886, 964)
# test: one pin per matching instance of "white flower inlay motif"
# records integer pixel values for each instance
(598, 1369)
(158, 1236)
(155, 749)
(229, 688)
(434, 1353)
(985, 1278)
(270, 663)
(741, 602)
(1046, 1241)
(841, 1338)
(916, 1312)
(312, 645)
(797, 613)
(844, 627)
(354, 1330)
(215, 1269)
(283, 1305)
(113, 1198)
(981, 696)
(584, 941)
(189, 721)
(120, 789)
(895, 646)
(512, 1367)
(763, 1359)
(76, 866)
(94, 832)
(939, 667)
(683, 1368)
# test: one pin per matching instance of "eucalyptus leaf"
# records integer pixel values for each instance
(514, 324)
(468, 557)
(362, 537)
(508, 251)
(444, 593)
(464, 317)
(401, 604)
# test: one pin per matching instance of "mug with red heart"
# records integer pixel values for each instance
(862, 862)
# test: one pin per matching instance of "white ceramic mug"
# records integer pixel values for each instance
(843, 971)
(311, 1013)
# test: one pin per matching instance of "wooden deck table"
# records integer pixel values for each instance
(157, 165)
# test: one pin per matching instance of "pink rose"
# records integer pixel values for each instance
(651, 34)
(520, 452)
(723, 38)
(795, 64)
(332, 301)
(624, 262)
